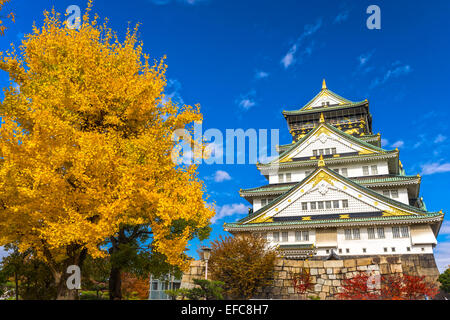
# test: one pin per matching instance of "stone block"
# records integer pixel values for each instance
(332, 277)
(396, 268)
(361, 268)
(384, 268)
(313, 271)
(327, 283)
(320, 281)
(329, 270)
(317, 288)
(364, 261)
(344, 270)
(315, 264)
(336, 283)
(326, 289)
(349, 263)
(333, 264)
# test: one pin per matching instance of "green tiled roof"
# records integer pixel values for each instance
(324, 109)
(337, 131)
(309, 222)
(360, 180)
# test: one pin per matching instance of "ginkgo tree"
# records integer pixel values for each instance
(86, 147)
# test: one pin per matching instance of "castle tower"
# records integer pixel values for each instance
(334, 190)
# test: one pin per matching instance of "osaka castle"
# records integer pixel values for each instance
(335, 192)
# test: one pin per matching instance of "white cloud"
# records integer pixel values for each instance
(341, 17)
(442, 255)
(221, 176)
(396, 71)
(261, 75)
(440, 138)
(435, 167)
(445, 228)
(3, 253)
(247, 101)
(398, 144)
(229, 210)
(172, 92)
(290, 57)
(364, 58)
(384, 142)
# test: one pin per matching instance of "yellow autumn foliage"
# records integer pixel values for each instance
(86, 141)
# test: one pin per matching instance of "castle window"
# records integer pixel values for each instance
(281, 178)
(284, 236)
(298, 236)
(364, 250)
(393, 249)
(396, 232)
(319, 205)
(348, 234)
(340, 250)
(307, 173)
(288, 177)
(356, 234)
(344, 172)
(347, 250)
(385, 249)
(313, 206)
(365, 170)
(404, 232)
(315, 153)
(333, 150)
(327, 151)
(408, 249)
(328, 204)
(380, 233)
(344, 203)
(305, 235)
(386, 193)
(336, 204)
(336, 170)
(371, 233)
(276, 236)
(304, 205)
(394, 193)
(327, 251)
(374, 169)
(263, 202)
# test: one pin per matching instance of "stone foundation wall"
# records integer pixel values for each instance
(327, 275)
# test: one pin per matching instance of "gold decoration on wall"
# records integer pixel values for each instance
(395, 212)
(351, 131)
(306, 218)
(344, 216)
(260, 219)
(322, 176)
(322, 130)
(321, 162)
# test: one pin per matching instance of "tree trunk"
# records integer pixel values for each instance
(16, 280)
(62, 292)
(115, 284)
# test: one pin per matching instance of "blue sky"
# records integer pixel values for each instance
(246, 61)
